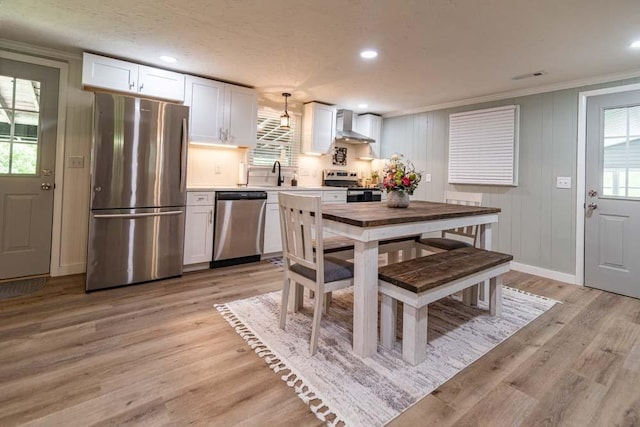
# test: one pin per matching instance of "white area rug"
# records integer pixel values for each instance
(341, 388)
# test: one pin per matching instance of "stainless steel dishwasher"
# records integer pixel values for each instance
(239, 227)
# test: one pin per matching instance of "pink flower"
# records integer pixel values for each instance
(406, 181)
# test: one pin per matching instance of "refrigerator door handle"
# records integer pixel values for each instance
(183, 156)
(137, 215)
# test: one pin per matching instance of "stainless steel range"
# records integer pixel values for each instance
(349, 179)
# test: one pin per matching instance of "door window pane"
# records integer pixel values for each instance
(615, 122)
(24, 159)
(19, 126)
(5, 152)
(27, 95)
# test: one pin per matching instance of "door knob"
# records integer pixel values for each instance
(592, 193)
(592, 206)
(45, 186)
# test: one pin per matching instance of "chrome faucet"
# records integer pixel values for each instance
(273, 170)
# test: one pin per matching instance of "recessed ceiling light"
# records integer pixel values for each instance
(363, 105)
(368, 54)
(169, 59)
(636, 44)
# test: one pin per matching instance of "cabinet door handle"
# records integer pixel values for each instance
(211, 216)
(141, 87)
(132, 85)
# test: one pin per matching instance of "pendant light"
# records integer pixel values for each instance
(285, 119)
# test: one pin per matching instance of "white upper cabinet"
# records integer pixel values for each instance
(318, 127)
(122, 76)
(205, 99)
(221, 113)
(161, 83)
(109, 73)
(370, 125)
(241, 115)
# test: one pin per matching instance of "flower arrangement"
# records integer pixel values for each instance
(400, 175)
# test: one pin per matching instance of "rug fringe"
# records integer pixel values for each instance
(276, 364)
(520, 291)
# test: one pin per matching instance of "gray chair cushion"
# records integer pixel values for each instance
(444, 243)
(334, 269)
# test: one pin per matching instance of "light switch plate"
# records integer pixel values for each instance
(563, 182)
(75, 161)
(427, 177)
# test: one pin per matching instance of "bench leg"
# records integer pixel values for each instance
(414, 333)
(393, 257)
(470, 296)
(408, 253)
(495, 296)
(388, 320)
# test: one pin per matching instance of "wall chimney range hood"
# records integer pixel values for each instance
(345, 132)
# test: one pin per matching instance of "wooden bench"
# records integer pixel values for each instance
(420, 281)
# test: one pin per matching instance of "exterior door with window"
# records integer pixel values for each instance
(612, 223)
(28, 129)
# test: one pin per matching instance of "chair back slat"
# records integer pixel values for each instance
(467, 199)
(300, 219)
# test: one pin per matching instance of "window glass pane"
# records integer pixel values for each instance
(27, 95)
(621, 152)
(275, 143)
(608, 142)
(615, 122)
(26, 128)
(5, 149)
(5, 125)
(24, 159)
(6, 91)
(634, 121)
(633, 186)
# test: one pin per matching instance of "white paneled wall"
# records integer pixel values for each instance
(75, 199)
(537, 224)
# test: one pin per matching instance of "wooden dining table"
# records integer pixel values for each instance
(368, 223)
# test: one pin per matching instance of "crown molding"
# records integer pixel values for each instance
(571, 84)
(24, 48)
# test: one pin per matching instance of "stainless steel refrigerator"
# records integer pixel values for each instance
(138, 191)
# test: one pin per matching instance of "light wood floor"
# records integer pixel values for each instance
(158, 354)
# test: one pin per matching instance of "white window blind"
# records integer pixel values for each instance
(275, 143)
(483, 146)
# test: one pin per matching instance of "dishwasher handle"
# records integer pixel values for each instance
(241, 195)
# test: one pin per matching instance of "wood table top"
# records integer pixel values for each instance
(374, 214)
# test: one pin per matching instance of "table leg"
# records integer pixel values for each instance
(365, 299)
(485, 243)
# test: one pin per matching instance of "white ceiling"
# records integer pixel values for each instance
(430, 51)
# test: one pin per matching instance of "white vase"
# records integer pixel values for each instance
(397, 199)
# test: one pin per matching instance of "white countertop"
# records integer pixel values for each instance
(260, 188)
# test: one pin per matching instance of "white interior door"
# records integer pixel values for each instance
(28, 128)
(612, 223)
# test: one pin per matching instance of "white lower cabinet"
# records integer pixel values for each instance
(272, 237)
(198, 232)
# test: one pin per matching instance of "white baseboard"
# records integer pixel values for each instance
(69, 269)
(544, 272)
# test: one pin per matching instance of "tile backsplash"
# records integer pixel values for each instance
(218, 166)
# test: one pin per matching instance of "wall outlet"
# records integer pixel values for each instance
(75, 162)
(427, 177)
(563, 182)
(218, 169)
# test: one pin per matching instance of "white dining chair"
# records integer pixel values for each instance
(455, 238)
(304, 267)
